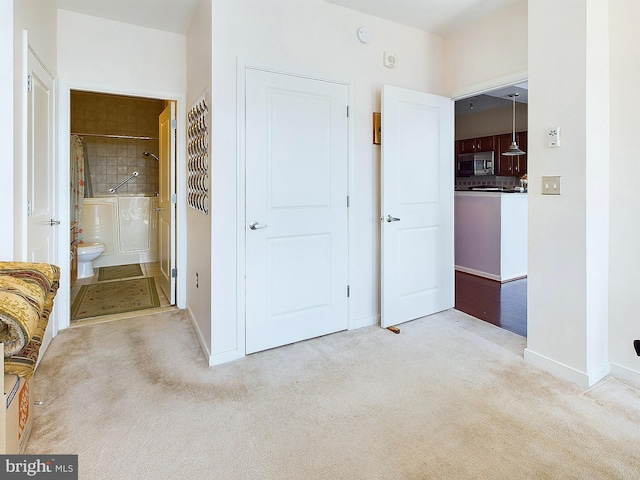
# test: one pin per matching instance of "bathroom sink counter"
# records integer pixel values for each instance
(114, 195)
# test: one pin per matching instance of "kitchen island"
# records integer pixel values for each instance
(491, 234)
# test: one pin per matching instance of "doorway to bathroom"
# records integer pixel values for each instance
(122, 180)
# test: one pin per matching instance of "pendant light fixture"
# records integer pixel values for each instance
(513, 149)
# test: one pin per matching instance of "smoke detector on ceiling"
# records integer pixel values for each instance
(364, 35)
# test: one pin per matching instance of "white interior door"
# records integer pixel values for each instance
(296, 212)
(417, 205)
(166, 202)
(42, 217)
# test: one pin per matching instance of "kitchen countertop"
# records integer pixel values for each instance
(484, 193)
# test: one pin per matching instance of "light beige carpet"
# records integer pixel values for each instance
(449, 398)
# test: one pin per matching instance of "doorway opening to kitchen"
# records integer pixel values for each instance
(491, 206)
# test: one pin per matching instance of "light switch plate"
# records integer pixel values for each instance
(550, 185)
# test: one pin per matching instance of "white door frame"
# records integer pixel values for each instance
(63, 298)
(241, 68)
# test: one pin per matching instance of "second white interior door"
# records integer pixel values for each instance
(417, 205)
(296, 212)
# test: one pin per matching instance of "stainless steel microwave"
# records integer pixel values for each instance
(470, 164)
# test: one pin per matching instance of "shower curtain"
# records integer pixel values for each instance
(78, 190)
(88, 188)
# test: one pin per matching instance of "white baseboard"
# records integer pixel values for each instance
(478, 273)
(599, 373)
(364, 322)
(626, 375)
(224, 357)
(583, 379)
(215, 358)
(199, 336)
(515, 276)
(228, 356)
(491, 276)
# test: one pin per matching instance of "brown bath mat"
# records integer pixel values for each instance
(119, 271)
(109, 298)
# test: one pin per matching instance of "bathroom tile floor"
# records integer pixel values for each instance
(148, 270)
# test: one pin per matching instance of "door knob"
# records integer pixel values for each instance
(392, 219)
(256, 226)
(53, 222)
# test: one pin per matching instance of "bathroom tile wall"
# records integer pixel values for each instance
(111, 160)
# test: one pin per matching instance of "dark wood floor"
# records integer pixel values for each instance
(502, 304)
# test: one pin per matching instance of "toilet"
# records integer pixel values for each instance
(87, 253)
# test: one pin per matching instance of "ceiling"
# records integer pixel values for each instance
(436, 16)
(493, 99)
(167, 15)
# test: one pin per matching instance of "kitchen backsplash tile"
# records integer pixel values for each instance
(489, 180)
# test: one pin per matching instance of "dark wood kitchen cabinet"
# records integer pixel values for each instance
(511, 166)
(521, 167)
(504, 165)
(475, 145)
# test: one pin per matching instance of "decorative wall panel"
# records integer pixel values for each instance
(198, 154)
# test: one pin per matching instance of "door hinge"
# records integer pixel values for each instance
(348, 201)
(174, 198)
(29, 83)
(347, 110)
(174, 123)
(348, 291)
(174, 272)
(29, 208)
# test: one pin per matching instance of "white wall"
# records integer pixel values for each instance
(574, 276)
(319, 39)
(490, 53)
(107, 56)
(568, 256)
(624, 288)
(199, 224)
(39, 18)
(6, 129)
